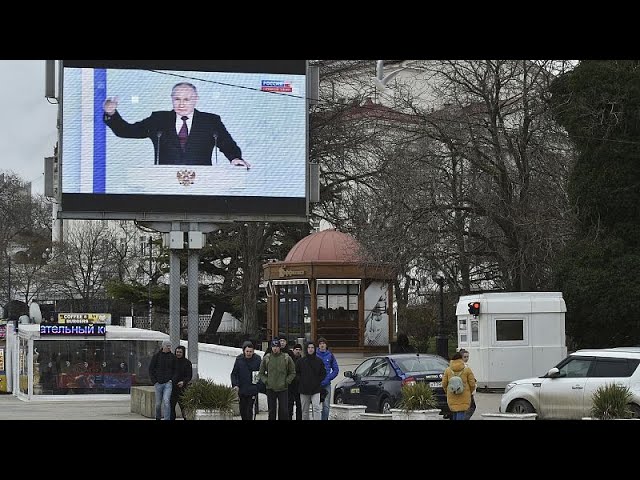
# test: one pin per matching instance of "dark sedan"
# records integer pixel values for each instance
(377, 381)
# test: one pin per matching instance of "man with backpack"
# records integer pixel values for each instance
(458, 381)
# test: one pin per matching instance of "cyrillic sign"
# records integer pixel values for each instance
(75, 329)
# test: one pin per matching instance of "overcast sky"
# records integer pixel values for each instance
(28, 126)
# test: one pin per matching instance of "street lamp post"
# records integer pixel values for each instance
(150, 276)
(442, 341)
(9, 275)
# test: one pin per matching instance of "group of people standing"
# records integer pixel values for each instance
(170, 374)
(293, 382)
(289, 377)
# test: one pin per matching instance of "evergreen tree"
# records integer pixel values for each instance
(599, 105)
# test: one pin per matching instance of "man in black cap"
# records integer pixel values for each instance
(277, 371)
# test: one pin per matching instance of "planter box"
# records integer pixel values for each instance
(346, 412)
(400, 414)
(593, 418)
(376, 416)
(143, 401)
(213, 415)
(509, 416)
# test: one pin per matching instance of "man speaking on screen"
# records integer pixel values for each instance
(183, 136)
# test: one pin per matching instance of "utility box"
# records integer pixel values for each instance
(514, 335)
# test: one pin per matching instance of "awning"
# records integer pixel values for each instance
(338, 281)
(291, 281)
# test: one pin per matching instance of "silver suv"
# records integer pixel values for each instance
(566, 390)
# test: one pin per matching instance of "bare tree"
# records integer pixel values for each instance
(85, 261)
(25, 235)
(469, 183)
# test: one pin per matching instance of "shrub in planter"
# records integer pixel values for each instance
(205, 394)
(417, 396)
(611, 401)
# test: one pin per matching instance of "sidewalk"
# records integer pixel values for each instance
(11, 408)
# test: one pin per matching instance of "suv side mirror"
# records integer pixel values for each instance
(348, 374)
(553, 373)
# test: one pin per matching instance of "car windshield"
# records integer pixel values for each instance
(422, 364)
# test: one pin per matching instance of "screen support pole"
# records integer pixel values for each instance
(178, 236)
(174, 284)
(196, 242)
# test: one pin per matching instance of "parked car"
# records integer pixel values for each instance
(377, 381)
(565, 391)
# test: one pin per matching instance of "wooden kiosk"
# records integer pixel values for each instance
(324, 289)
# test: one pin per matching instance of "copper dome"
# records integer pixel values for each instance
(325, 246)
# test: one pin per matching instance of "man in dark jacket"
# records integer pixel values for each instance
(310, 373)
(183, 136)
(244, 377)
(182, 377)
(294, 394)
(161, 370)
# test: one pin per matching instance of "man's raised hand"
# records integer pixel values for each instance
(110, 104)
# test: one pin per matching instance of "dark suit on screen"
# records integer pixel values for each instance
(207, 132)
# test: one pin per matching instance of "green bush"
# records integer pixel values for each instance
(205, 394)
(611, 401)
(417, 396)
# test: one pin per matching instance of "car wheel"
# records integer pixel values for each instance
(337, 398)
(521, 406)
(385, 405)
(635, 410)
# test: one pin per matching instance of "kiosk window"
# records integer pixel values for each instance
(509, 330)
(474, 331)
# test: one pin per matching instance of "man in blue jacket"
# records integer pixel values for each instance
(331, 366)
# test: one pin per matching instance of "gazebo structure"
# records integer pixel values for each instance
(324, 289)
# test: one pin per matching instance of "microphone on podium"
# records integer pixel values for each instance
(215, 145)
(159, 135)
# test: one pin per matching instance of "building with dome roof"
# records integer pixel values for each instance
(325, 288)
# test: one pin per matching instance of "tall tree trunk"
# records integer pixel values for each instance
(253, 247)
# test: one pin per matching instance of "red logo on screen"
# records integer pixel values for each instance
(276, 86)
(186, 177)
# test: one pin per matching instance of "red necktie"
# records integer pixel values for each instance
(184, 132)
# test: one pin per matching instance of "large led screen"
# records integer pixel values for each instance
(184, 137)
